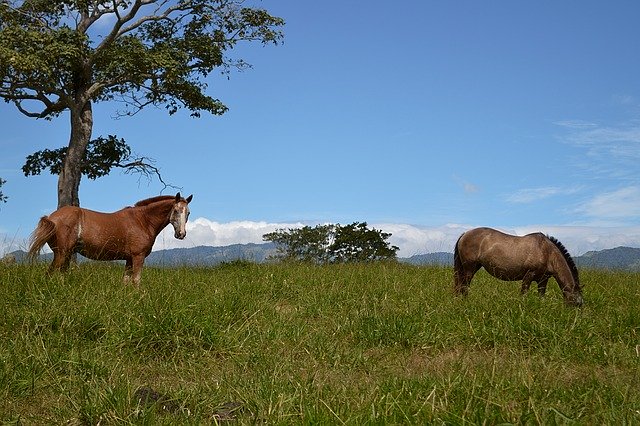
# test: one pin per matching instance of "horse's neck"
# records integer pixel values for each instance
(561, 268)
(156, 215)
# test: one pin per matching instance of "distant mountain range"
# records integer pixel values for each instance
(625, 258)
(437, 258)
(208, 255)
(194, 256)
(619, 258)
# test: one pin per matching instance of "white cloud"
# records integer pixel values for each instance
(9, 243)
(529, 195)
(580, 239)
(576, 124)
(606, 137)
(205, 232)
(468, 187)
(612, 151)
(623, 203)
(608, 155)
(625, 100)
(411, 239)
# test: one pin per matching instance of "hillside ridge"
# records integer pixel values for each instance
(618, 258)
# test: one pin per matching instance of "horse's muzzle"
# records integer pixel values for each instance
(578, 300)
(180, 235)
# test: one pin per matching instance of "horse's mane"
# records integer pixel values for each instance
(567, 257)
(154, 200)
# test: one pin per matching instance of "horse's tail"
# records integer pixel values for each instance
(457, 264)
(43, 232)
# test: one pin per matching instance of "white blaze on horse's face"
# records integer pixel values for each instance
(179, 217)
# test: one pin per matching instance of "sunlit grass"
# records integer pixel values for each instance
(341, 344)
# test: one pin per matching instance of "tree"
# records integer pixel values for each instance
(332, 243)
(357, 243)
(58, 56)
(304, 244)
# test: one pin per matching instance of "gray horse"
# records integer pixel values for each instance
(533, 257)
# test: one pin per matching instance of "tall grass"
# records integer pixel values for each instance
(340, 344)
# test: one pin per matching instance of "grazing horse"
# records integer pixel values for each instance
(127, 234)
(533, 257)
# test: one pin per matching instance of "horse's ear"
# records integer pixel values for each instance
(189, 198)
(178, 197)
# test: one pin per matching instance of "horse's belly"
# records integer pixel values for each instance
(102, 254)
(506, 274)
(107, 251)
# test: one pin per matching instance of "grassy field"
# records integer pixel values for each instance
(287, 344)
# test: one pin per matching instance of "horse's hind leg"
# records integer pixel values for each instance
(60, 261)
(137, 269)
(462, 278)
(133, 270)
(128, 271)
(63, 251)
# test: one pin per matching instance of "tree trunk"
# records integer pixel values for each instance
(71, 173)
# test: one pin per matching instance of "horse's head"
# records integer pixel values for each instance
(576, 299)
(180, 215)
(574, 296)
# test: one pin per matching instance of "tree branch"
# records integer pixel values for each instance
(3, 198)
(122, 20)
(50, 106)
(144, 166)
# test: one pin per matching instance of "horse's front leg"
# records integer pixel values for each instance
(137, 263)
(128, 270)
(542, 286)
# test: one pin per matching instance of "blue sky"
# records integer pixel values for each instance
(423, 118)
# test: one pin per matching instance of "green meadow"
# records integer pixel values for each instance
(381, 343)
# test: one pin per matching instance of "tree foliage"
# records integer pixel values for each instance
(357, 243)
(306, 244)
(3, 198)
(101, 156)
(58, 56)
(332, 243)
(143, 51)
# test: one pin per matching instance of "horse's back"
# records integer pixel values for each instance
(473, 241)
(66, 216)
(74, 214)
(490, 237)
(65, 211)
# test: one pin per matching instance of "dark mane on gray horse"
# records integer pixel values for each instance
(567, 257)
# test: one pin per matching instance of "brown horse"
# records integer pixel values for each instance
(533, 257)
(127, 234)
